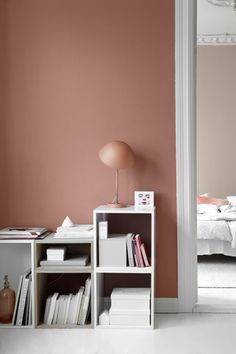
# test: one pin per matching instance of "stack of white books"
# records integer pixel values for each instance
(79, 261)
(130, 307)
(56, 254)
(69, 309)
(70, 230)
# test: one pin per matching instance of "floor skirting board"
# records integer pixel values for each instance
(166, 305)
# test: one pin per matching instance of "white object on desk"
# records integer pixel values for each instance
(104, 319)
(131, 299)
(112, 251)
(103, 229)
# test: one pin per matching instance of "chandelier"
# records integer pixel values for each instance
(224, 3)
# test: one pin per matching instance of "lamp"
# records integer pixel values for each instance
(118, 155)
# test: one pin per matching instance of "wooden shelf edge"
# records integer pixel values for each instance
(131, 270)
(44, 326)
(61, 269)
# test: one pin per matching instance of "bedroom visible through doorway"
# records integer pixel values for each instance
(216, 170)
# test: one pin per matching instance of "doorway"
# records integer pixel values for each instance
(186, 19)
(216, 175)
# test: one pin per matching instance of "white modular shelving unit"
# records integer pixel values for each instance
(124, 220)
(17, 256)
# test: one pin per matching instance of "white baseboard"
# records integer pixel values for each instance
(166, 305)
(217, 308)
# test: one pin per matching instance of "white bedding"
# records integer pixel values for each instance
(209, 247)
(213, 230)
(217, 224)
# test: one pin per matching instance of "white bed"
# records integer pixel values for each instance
(216, 230)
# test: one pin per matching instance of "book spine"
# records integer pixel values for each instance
(67, 308)
(130, 250)
(136, 256)
(84, 310)
(144, 254)
(139, 253)
(17, 300)
(54, 320)
(85, 304)
(46, 310)
(79, 305)
(21, 308)
(30, 304)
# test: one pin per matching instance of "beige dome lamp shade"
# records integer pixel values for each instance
(117, 155)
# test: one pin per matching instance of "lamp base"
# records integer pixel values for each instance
(116, 205)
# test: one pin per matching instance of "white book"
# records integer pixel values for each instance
(30, 304)
(76, 228)
(27, 305)
(23, 295)
(129, 246)
(67, 308)
(72, 261)
(56, 251)
(47, 307)
(84, 308)
(86, 302)
(52, 308)
(51, 257)
(79, 304)
(74, 235)
(27, 231)
(62, 309)
(17, 300)
(55, 315)
(72, 309)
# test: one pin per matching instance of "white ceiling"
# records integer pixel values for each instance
(215, 19)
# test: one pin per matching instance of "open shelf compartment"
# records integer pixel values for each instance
(72, 250)
(64, 284)
(16, 257)
(106, 282)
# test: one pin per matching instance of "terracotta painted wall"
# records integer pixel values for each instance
(78, 74)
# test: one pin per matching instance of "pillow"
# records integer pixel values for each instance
(210, 200)
(207, 209)
(232, 199)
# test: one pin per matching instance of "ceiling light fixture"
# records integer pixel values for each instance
(224, 3)
(217, 39)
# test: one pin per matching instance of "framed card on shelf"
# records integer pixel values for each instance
(143, 199)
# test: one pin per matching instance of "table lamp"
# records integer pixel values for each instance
(117, 155)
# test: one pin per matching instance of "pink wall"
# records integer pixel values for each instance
(78, 74)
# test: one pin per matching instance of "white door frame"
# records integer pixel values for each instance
(185, 39)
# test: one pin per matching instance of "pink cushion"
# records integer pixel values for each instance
(211, 200)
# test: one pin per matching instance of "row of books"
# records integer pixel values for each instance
(22, 315)
(136, 251)
(69, 309)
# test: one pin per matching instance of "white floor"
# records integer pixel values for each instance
(216, 271)
(217, 284)
(196, 333)
(216, 300)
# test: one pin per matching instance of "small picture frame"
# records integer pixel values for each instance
(143, 199)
